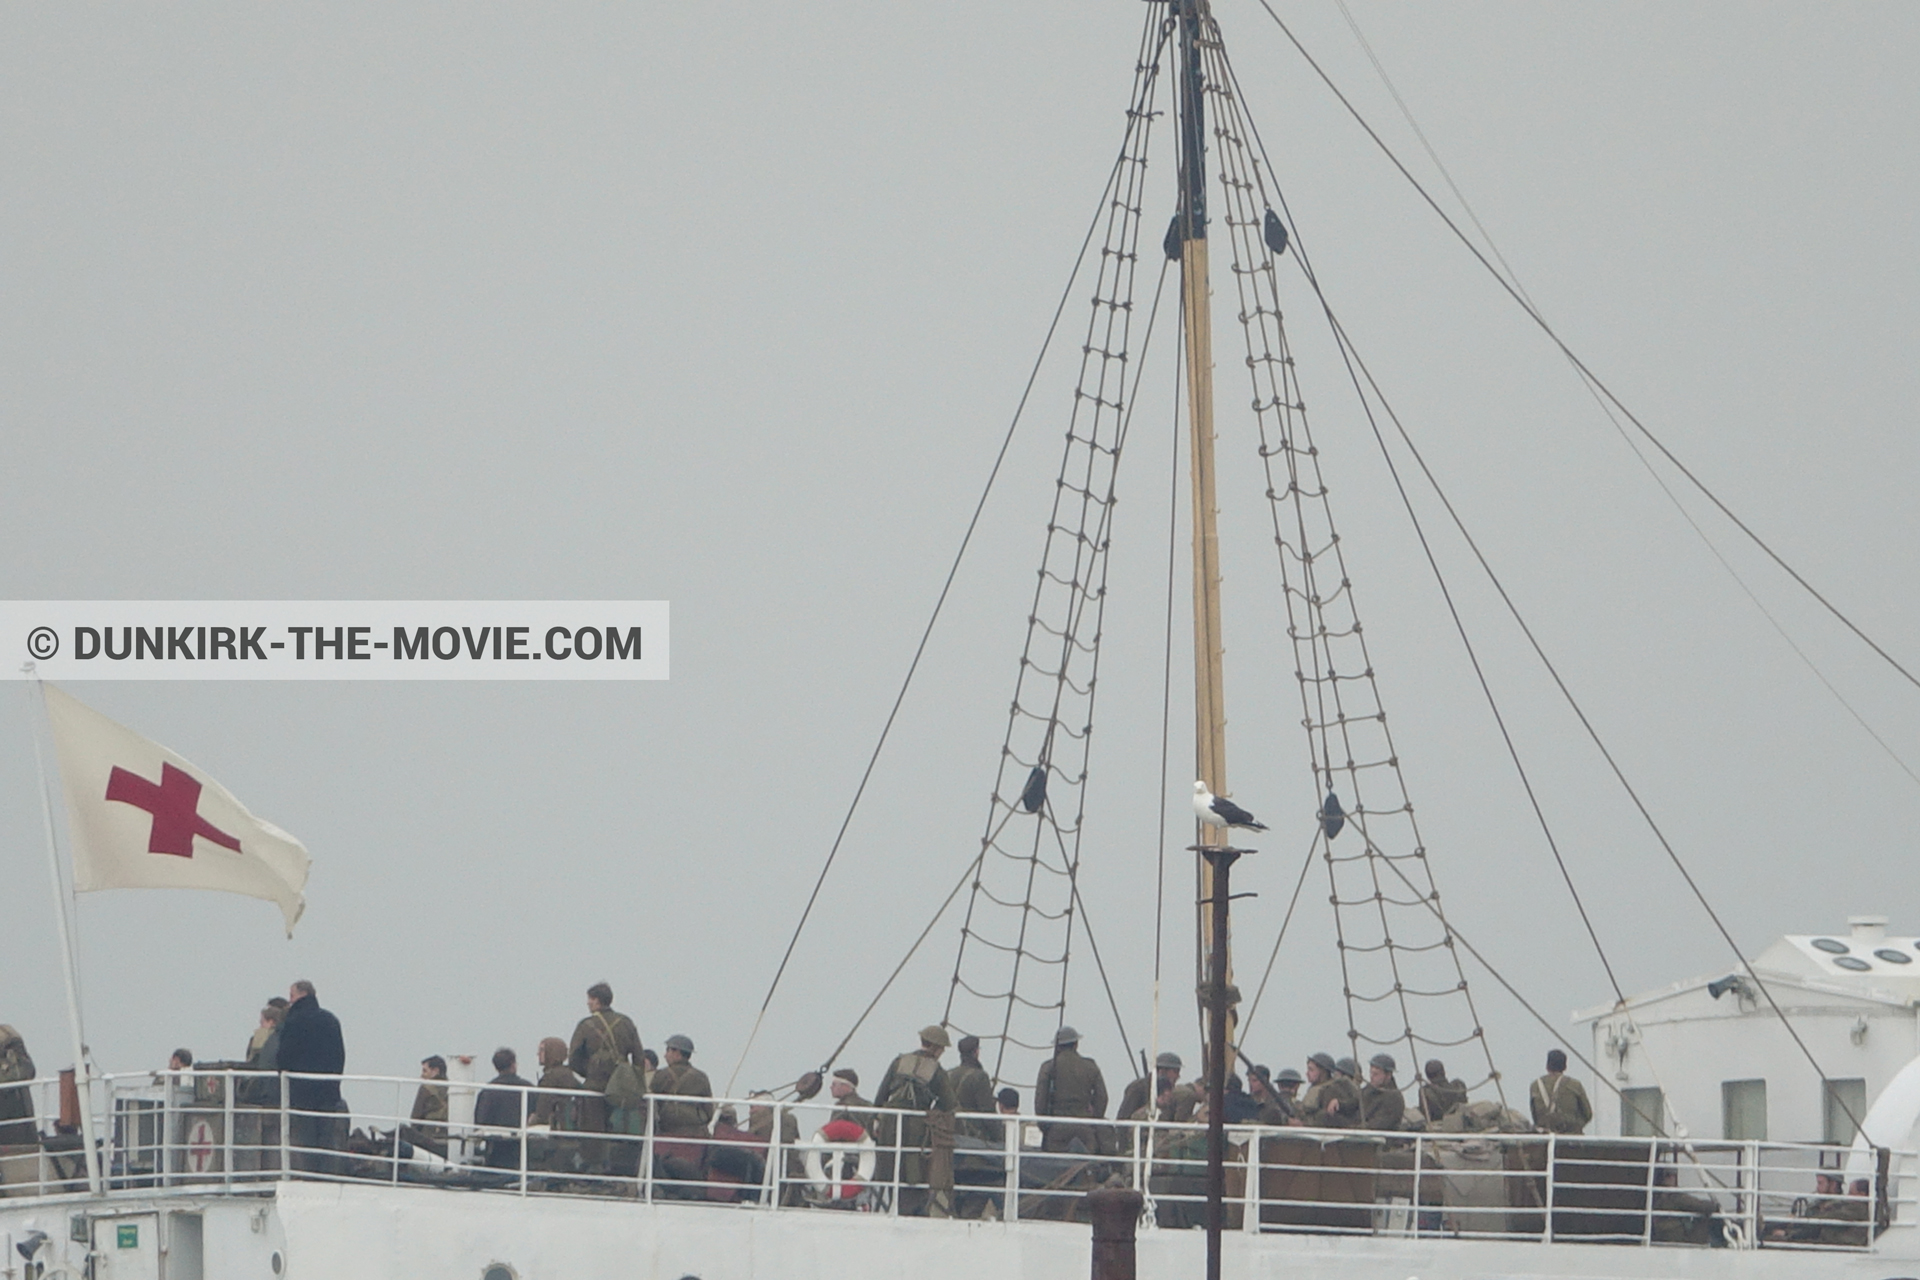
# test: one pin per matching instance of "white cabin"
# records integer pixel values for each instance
(1710, 1057)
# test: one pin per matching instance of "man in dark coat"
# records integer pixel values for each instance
(503, 1108)
(310, 1041)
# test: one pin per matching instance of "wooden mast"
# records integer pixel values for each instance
(1209, 674)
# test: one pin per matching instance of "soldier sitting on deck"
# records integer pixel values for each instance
(1382, 1106)
(428, 1127)
(1560, 1104)
(1331, 1101)
(1439, 1096)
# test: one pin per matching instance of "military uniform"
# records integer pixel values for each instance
(1274, 1110)
(1134, 1098)
(429, 1126)
(1440, 1099)
(555, 1110)
(1382, 1108)
(601, 1042)
(973, 1094)
(760, 1125)
(912, 1079)
(682, 1119)
(16, 1104)
(1560, 1104)
(1070, 1086)
(559, 1112)
(855, 1108)
(1317, 1108)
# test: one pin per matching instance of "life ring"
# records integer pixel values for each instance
(832, 1144)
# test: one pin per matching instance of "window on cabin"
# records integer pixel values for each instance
(1838, 1097)
(1743, 1110)
(1640, 1111)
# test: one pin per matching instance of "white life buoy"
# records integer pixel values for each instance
(834, 1143)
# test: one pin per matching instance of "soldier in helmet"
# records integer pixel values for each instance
(1272, 1109)
(1382, 1105)
(1175, 1101)
(1286, 1089)
(679, 1150)
(1070, 1086)
(1331, 1101)
(915, 1084)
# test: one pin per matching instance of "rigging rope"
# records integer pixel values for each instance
(1513, 610)
(1346, 724)
(1554, 337)
(1306, 865)
(1613, 417)
(1068, 604)
(1349, 357)
(933, 618)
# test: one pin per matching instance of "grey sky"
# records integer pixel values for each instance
(728, 305)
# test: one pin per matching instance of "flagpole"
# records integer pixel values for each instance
(63, 909)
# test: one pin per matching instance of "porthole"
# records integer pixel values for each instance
(1832, 946)
(1852, 964)
(278, 1263)
(1893, 957)
(499, 1271)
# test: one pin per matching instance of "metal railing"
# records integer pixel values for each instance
(238, 1132)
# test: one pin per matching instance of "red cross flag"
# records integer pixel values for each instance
(143, 818)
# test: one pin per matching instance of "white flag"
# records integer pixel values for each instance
(143, 818)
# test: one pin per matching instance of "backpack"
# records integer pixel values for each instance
(625, 1089)
(913, 1087)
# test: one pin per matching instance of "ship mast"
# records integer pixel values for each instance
(1190, 225)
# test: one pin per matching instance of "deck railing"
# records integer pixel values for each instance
(236, 1132)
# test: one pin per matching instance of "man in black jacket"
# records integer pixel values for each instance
(310, 1041)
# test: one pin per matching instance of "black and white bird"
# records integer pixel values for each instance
(1217, 811)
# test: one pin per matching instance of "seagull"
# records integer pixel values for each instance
(1217, 811)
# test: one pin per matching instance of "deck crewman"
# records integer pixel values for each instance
(504, 1106)
(311, 1041)
(1559, 1102)
(1382, 1105)
(1070, 1086)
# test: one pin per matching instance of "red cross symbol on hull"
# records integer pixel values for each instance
(174, 804)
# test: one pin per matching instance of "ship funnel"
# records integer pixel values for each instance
(1867, 928)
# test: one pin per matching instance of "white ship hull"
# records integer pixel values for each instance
(418, 1233)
